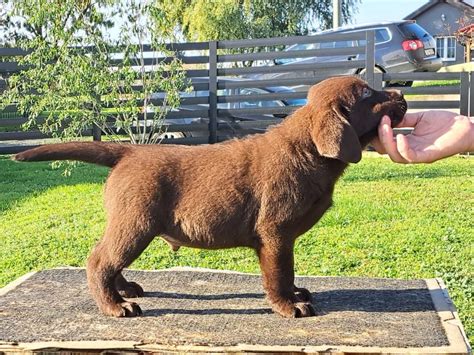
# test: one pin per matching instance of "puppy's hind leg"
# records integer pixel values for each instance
(276, 263)
(122, 243)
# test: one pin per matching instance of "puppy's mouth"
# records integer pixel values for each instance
(395, 109)
(397, 112)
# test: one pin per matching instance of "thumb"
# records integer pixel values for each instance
(407, 152)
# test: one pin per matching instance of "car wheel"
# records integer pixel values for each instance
(194, 134)
(171, 135)
(406, 84)
(376, 70)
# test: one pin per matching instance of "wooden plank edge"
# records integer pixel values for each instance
(15, 283)
(441, 301)
(449, 317)
(124, 346)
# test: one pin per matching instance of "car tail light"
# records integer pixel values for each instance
(412, 44)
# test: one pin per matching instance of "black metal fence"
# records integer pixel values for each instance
(236, 93)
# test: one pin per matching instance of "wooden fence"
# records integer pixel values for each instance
(231, 99)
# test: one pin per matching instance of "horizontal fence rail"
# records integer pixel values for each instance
(241, 87)
(449, 97)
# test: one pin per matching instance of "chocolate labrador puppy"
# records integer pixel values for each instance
(260, 192)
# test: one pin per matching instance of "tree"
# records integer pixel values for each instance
(201, 20)
(465, 34)
(75, 75)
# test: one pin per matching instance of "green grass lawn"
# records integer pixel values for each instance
(388, 220)
(429, 83)
(436, 83)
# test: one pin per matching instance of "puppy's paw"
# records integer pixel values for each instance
(293, 308)
(303, 309)
(130, 309)
(130, 290)
(124, 309)
(303, 295)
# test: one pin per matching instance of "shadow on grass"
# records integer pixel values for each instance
(22, 180)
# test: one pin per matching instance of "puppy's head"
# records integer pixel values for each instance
(346, 113)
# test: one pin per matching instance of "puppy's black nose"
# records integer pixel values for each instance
(396, 92)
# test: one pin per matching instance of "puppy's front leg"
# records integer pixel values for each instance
(276, 263)
(303, 294)
(128, 289)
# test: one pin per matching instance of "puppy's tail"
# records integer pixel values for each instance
(107, 154)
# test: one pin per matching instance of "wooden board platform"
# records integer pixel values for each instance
(198, 310)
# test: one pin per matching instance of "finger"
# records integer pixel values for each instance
(377, 145)
(411, 119)
(384, 121)
(389, 144)
(377, 141)
(414, 118)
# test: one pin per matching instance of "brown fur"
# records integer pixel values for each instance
(260, 192)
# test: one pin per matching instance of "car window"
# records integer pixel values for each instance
(382, 35)
(296, 47)
(302, 47)
(413, 31)
(326, 45)
(337, 44)
(343, 44)
(195, 94)
(254, 104)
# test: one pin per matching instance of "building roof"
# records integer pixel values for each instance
(461, 4)
(361, 26)
(466, 29)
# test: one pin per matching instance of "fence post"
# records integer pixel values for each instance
(378, 81)
(370, 57)
(465, 96)
(96, 133)
(471, 94)
(212, 91)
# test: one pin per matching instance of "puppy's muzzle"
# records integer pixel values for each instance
(396, 113)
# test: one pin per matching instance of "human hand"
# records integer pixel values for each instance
(436, 135)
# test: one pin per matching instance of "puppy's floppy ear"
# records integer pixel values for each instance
(335, 138)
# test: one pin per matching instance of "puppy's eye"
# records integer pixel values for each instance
(366, 93)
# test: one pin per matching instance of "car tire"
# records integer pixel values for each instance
(405, 84)
(376, 70)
